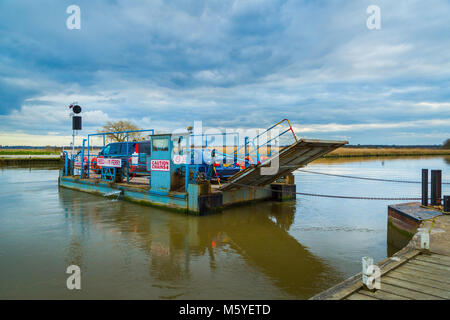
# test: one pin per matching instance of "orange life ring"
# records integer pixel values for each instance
(96, 168)
(93, 163)
(132, 169)
(130, 165)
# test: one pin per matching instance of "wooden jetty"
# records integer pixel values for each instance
(410, 274)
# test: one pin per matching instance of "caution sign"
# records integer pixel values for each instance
(160, 165)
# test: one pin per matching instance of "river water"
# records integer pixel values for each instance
(267, 250)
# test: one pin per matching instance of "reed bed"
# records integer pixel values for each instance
(338, 153)
(21, 152)
(384, 152)
(346, 152)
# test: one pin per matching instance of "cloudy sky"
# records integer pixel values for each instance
(231, 64)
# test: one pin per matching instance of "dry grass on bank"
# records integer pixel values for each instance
(363, 152)
(49, 151)
(341, 152)
(382, 152)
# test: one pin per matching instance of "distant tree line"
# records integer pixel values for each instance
(393, 146)
(446, 144)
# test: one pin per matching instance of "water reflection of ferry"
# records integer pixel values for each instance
(176, 245)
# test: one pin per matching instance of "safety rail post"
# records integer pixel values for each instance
(258, 158)
(256, 151)
(66, 163)
(235, 149)
(424, 187)
(187, 171)
(72, 167)
(186, 178)
(246, 160)
(82, 160)
(224, 148)
(436, 180)
(88, 168)
(126, 162)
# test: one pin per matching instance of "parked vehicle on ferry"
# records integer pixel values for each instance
(135, 156)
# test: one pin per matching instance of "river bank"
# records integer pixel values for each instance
(13, 158)
(385, 152)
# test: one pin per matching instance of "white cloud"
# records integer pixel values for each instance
(336, 127)
(21, 139)
(436, 106)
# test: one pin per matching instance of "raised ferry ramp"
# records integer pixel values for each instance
(281, 164)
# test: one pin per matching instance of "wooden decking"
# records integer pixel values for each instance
(410, 274)
(424, 277)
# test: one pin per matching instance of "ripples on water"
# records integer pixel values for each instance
(264, 251)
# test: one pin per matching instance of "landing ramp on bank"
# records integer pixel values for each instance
(289, 159)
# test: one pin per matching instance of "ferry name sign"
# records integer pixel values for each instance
(109, 162)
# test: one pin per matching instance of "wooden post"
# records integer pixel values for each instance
(290, 179)
(436, 180)
(447, 204)
(424, 187)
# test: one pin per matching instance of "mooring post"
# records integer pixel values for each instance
(370, 274)
(424, 239)
(425, 187)
(366, 262)
(447, 204)
(438, 187)
(436, 181)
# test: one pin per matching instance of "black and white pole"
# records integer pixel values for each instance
(76, 122)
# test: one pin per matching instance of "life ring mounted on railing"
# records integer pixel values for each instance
(132, 169)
